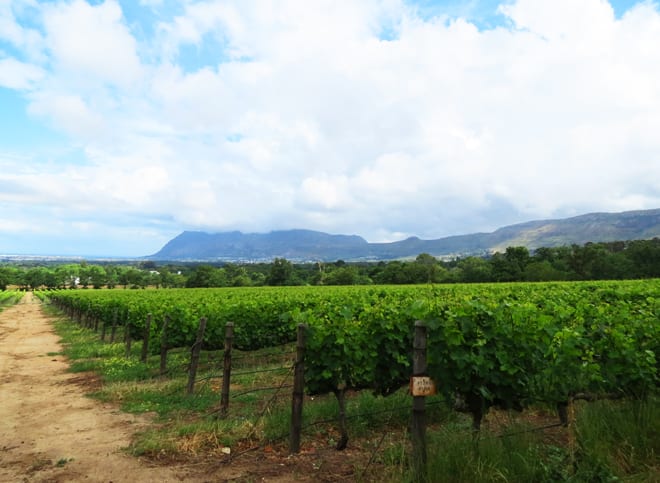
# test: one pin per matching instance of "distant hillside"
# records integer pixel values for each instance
(305, 245)
(289, 244)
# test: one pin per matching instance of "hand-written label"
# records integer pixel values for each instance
(422, 386)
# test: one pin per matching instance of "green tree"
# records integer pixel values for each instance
(510, 266)
(344, 275)
(542, 271)
(207, 276)
(258, 279)
(429, 267)
(97, 276)
(36, 277)
(237, 275)
(9, 276)
(133, 277)
(67, 274)
(392, 273)
(280, 272)
(645, 257)
(475, 269)
(111, 276)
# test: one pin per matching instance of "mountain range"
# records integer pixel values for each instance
(308, 245)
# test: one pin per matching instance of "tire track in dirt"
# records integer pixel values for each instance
(51, 432)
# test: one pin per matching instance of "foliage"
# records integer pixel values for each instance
(507, 345)
(593, 261)
(10, 297)
(491, 345)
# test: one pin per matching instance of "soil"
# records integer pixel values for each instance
(51, 432)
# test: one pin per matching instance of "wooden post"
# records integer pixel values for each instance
(340, 394)
(298, 392)
(163, 346)
(418, 426)
(226, 373)
(88, 317)
(145, 339)
(103, 328)
(572, 441)
(127, 337)
(194, 356)
(114, 326)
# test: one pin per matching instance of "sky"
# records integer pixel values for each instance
(126, 122)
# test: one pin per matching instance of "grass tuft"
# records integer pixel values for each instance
(614, 440)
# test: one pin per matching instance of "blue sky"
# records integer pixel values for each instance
(123, 123)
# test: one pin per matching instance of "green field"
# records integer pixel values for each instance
(505, 346)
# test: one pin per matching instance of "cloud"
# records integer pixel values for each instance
(69, 113)
(27, 40)
(18, 75)
(151, 3)
(361, 117)
(563, 20)
(91, 43)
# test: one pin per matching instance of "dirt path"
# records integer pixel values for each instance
(49, 431)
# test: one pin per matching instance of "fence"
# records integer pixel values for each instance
(420, 385)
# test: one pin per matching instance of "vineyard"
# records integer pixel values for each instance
(10, 297)
(507, 346)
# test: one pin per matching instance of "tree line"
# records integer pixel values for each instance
(592, 261)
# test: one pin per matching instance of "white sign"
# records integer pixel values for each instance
(422, 386)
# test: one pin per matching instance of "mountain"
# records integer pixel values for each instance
(237, 246)
(307, 245)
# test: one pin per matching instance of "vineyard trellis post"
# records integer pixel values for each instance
(127, 337)
(194, 357)
(115, 314)
(163, 346)
(104, 324)
(418, 426)
(226, 373)
(89, 318)
(145, 339)
(298, 391)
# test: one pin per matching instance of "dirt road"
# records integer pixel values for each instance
(49, 431)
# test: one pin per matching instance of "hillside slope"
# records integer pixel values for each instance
(305, 245)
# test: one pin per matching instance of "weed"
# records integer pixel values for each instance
(63, 461)
(614, 440)
(618, 439)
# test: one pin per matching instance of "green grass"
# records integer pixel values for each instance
(456, 455)
(618, 440)
(63, 461)
(614, 440)
(137, 387)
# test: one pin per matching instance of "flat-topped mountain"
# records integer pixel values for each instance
(307, 245)
(290, 244)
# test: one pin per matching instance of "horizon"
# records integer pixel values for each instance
(105, 257)
(126, 123)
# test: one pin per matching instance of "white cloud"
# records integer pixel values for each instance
(326, 194)
(151, 3)
(28, 40)
(577, 22)
(69, 113)
(92, 43)
(305, 117)
(18, 75)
